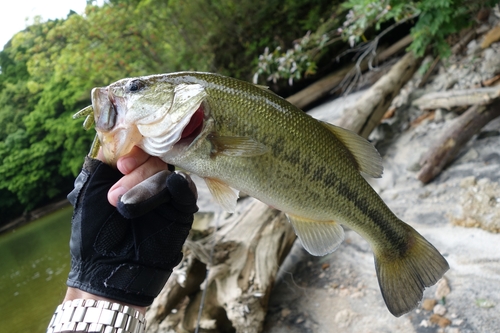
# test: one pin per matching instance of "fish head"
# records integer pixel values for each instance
(147, 112)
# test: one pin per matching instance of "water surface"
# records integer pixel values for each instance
(34, 264)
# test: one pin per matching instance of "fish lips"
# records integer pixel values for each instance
(116, 138)
(105, 111)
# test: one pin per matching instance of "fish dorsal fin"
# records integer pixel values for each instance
(236, 146)
(223, 194)
(317, 237)
(365, 154)
(261, 86)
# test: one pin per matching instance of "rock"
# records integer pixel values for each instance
(480, 202)
(439, 309)
(285, 312)
(491, 62)
(442, 289)
(473, 47)
(439, 320)
(343, 318)
(428, 304)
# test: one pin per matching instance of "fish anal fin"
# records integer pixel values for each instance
(237, 146)
(365, 154)
(223, 194)
(317, 237)
(402, 279)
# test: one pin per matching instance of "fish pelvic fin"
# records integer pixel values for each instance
(236, 146)
(364, 153)
(223, 194)
(317, 237)
(403, 279)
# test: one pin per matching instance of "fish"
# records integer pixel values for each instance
(238, 136)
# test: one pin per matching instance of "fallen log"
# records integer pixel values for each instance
(454, 138)
(248, 251)
(323, 87)
(462, 43)
(369, 110)
(456, 98)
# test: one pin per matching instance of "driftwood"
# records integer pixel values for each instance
(367, 113)
(468, 36)
(455, 137)
(492, 36)
(323, 87)
(455, 98)
(249, 248)
(429, 72)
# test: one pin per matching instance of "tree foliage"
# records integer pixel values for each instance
(48, 70)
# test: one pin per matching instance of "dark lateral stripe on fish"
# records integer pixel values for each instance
(329, 178)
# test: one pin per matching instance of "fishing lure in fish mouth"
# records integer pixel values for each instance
(241, 137)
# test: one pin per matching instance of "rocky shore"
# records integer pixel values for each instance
(459, 212)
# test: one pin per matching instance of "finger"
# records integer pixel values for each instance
(135, 158)
(183, 191)
(150, 167)
(145, 196)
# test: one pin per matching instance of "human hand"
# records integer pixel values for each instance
(128, 259)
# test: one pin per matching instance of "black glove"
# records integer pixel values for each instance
(127, 259)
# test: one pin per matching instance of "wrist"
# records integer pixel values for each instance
(84, 312)
(74, 293)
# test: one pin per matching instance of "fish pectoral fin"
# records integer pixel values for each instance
(236, 146)
(223, 194)
(364, 153)
(317, 237)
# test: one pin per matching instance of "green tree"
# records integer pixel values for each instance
(48, 70)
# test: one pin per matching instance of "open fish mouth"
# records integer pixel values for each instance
(193, 128)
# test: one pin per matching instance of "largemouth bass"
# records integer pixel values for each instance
(238, 136)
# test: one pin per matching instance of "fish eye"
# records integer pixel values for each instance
(135, 85)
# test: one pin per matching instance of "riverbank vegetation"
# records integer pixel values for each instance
(48, 70)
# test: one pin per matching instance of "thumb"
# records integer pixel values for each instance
(145, 196)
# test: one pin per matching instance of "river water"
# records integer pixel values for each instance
(34, 264)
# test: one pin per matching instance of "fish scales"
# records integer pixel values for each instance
(252, 140)
(324, 182)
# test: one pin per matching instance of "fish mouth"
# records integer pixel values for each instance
(193, 128)
(116, 138)
(105, 111)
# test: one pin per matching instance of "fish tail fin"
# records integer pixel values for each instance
(402, 279)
